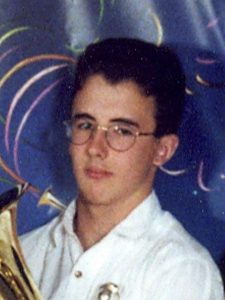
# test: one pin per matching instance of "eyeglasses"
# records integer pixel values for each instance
(118, 137)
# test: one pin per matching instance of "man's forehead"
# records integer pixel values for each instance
(124, 120)
(105, 101)
(98, 84)
(114, 84)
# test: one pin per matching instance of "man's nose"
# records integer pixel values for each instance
(97, 144)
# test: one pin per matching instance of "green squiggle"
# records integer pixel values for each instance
(74, 49)
(2, 119)
(77, 50)
(8, 34)
(101, 13)
(2, 179)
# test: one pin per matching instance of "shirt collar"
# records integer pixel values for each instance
(133, 226)
(140, 219)
(68, 217)
(64, 224)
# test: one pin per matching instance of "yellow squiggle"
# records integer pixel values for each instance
(159, 28)
(200, 80)
(207, 83)
(33, 59)
(189, 92)
(8, 34)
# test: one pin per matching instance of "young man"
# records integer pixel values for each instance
(114, 241)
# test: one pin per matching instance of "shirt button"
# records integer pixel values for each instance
(78, 274)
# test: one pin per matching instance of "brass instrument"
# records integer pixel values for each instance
(16, 282)
(48, 198)
(15, 278)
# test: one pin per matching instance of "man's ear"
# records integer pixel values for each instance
(166, 148)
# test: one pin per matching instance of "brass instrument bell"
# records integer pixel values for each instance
(16, 282)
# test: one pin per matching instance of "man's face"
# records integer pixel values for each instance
(106, 176)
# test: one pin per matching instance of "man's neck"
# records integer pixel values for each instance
(93, 222)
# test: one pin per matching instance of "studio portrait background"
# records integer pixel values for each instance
(39, 44)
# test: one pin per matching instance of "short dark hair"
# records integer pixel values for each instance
(155, 69)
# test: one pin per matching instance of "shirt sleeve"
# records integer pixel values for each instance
(189, 279)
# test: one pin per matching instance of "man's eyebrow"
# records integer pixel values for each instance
(125, 121)
(77, 116)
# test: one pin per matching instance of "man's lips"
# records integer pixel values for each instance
(97, 173)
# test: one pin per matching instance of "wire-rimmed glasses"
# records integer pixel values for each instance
(119, 137)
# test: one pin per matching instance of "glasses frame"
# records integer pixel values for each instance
(137, 133)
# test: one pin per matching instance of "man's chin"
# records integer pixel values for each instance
(96, 198)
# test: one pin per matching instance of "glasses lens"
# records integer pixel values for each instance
(121, 137)
(79, 131)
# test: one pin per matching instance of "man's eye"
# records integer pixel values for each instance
(83, 125)
(124, 131)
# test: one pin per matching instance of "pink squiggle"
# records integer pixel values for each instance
(6, 53)
(21, 92)
(205, 61)
(213, 23)
(200, 178)
(25, 118)
(173, 172)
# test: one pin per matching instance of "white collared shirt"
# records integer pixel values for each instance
(148, 255)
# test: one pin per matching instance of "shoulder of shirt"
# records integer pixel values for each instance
(40, 235)
(176, 246)
(176, 250)
(171, 234)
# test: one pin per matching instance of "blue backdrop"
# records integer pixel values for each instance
(39, 43)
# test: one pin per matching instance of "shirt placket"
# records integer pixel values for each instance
(82, 281)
